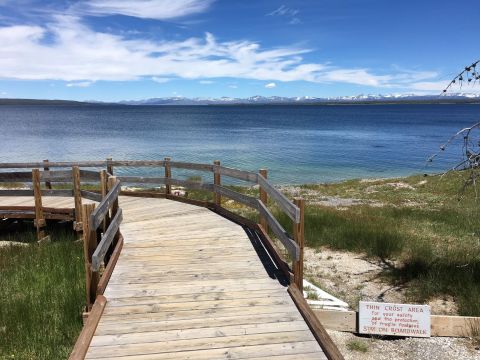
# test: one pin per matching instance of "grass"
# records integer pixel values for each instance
(357, 345)
(311, 293)
(42, 295)
(423, 229)
(474, 331)
(433, 246)
(426, 234)
(426, 237)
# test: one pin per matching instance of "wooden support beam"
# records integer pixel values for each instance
(238, 197)
(441, 325)
(104, 191)
(168, 174)
(105, 205)
(102, 284)
(89, 246)
(282, 201)
(110, 166)
(217, 181)
(83, 342)
(324, 340)
(48, 184)
(37, 193)
(106, 241)
(263, 199)
(299, 237)
(280, 232)
(112, 182)
(77, 195)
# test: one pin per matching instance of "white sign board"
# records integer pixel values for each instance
(394, 319)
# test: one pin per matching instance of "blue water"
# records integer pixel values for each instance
(298, 144)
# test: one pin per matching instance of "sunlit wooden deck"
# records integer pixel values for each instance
(190, 284)
(171, 277)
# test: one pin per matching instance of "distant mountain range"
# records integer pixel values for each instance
(304, 100)
(270, 100)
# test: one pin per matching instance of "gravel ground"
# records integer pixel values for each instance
(435, 348)
(352, 277)
(11, 243)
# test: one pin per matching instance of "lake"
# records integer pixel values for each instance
(298, 144)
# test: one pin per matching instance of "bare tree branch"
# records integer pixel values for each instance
(471, 136)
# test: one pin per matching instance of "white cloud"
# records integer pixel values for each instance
(147, 9)
(436, 86)
(206, 82)
(233, 86)
(160, 80)
(80, 84)
(288, 13)
(270, 85)
(283, 11)
(77, 54)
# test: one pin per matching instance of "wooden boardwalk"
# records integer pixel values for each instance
(190, 284)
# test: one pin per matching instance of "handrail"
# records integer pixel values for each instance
(90, 217)
(234, 195)
(237, 174)
(287, 206)
(110, 215)
(106, 240)
(26, 176)
(98, 215)
(61, 164)
(280, 232)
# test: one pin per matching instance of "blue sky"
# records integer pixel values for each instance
(114, 50)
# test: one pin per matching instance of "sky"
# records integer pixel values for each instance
(111, 50)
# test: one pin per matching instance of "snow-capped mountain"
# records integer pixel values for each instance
(263, 100)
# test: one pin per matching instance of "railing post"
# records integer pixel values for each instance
(112, 180)
(104, 191)
(263, 199)
(77, 195)
(109, 166)
(299, 237)
(48, 184)
(217, 181)
(37, 193)
(89, 245)
(168, 175)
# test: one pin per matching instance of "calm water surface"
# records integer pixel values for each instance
(298, 144)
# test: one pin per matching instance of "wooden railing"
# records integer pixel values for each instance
(103, 241)
(101, 222)
(267, 221)
(39, 212)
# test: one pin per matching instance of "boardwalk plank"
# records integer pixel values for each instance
(310, 349)
(198, 344)
(189, 284)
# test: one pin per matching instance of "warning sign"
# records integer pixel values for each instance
(394, 319)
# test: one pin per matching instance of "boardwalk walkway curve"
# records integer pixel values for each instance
(180, 279)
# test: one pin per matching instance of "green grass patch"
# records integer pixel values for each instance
(357, 345)
(426, 232)
(42, 295)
